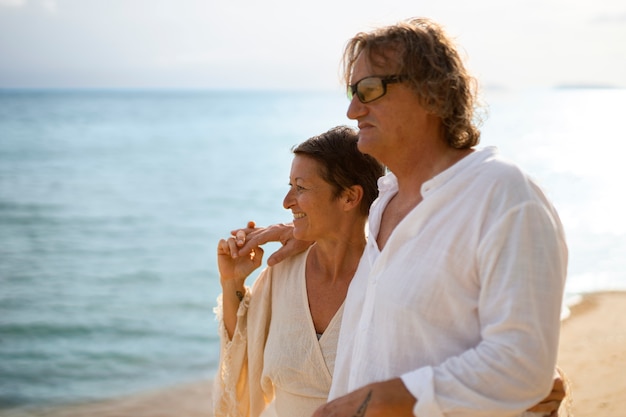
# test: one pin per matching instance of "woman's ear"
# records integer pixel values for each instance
(352, 197)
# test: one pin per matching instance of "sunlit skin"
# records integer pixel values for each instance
(333, 222)
(398, 121)
(336, 227)
(311, 202)
(392, 122)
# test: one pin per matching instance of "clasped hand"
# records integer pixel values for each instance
(233, 261)
(283, 233)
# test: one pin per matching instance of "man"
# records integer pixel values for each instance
(455, 307)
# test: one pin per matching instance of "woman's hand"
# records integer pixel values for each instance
(234, 267)
(235, 264)
(552, 403)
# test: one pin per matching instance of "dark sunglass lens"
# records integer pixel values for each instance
(369, 89)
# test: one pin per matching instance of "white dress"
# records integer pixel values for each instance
(275, 354)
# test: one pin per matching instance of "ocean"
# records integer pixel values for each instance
(112, 203)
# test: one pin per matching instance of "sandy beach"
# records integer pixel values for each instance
(592, 353)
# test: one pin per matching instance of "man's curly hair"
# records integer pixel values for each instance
(421, 51)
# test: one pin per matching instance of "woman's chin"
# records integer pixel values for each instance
(300, 234)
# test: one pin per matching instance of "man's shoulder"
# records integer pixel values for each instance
(494, 167)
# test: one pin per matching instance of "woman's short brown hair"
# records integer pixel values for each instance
(342, 164)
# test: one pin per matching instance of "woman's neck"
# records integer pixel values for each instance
(332, 261)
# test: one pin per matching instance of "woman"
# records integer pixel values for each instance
(279, 338)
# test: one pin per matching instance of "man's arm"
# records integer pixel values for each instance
(380, 399)
(283, 233)
(391, 397)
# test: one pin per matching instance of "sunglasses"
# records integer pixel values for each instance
(371, 88)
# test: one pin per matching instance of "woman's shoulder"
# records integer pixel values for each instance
(293, 265)
(290, 267)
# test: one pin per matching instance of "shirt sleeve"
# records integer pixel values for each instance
(237, 388)
(522, 265)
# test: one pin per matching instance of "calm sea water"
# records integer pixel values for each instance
(111, 204)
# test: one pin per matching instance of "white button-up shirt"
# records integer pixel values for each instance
(463, 302)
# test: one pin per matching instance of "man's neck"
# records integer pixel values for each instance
(411, 177)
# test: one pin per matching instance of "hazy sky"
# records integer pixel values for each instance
(290, 44)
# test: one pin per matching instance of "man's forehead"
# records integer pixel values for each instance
(366, 65)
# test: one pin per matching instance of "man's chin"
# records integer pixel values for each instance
(365, 145)
(363, 142)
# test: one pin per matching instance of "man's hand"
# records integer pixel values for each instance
(380, 399)
(283, 233)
